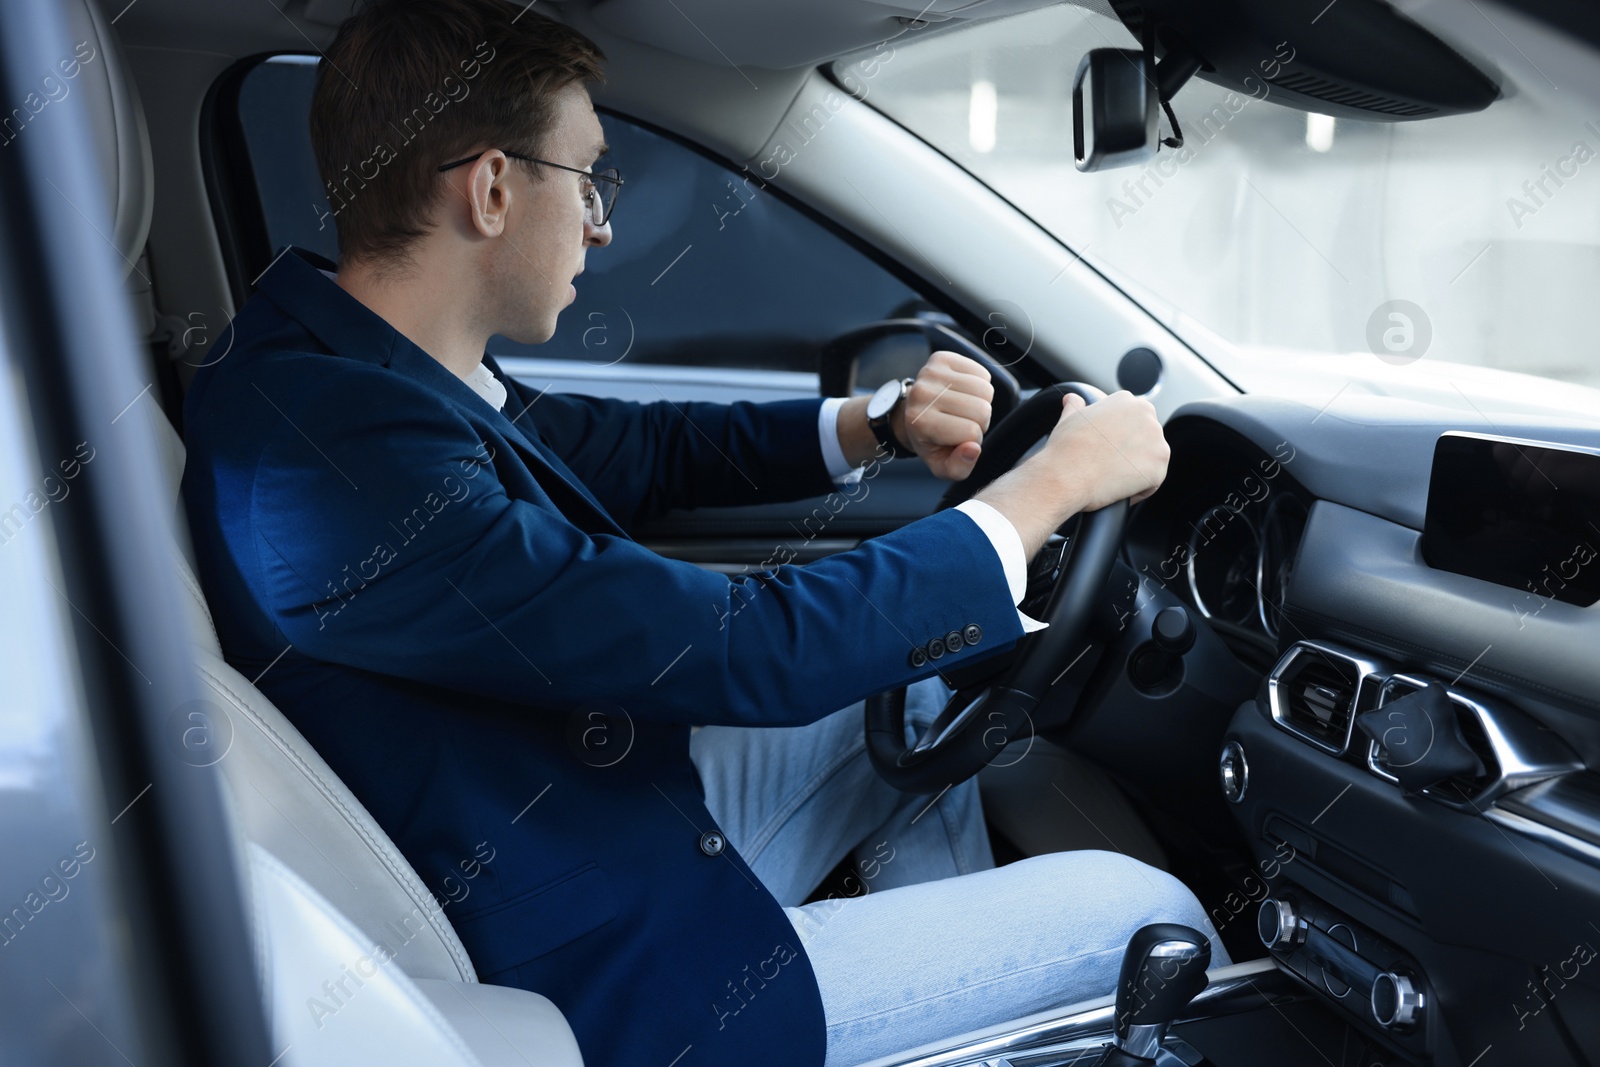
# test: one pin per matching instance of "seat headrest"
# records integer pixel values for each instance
(101, 83)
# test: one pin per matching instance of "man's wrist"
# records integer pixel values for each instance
(856, 439)
(1037, 498)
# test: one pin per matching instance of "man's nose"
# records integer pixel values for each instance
(599, 236)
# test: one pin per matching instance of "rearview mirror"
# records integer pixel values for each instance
(1115, 109)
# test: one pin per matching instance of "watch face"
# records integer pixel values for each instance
(884, 399)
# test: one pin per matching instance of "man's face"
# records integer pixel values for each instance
(547, 230)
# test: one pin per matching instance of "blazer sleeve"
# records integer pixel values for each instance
(642, 460)
(382, 539)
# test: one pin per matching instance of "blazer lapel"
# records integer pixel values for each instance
(555, 476)
(563, 487)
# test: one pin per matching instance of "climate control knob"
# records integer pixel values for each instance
(1280, 924)
(1396, 1003)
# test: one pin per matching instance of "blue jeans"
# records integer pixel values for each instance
(915, 953)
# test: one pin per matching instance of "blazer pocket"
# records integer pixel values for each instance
(541, 920)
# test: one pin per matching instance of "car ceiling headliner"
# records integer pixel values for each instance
(767, 34)
(690, 65)
(665, 72)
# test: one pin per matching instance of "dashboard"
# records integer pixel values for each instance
(1433, 890)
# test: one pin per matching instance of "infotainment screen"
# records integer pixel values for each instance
(1516, 513)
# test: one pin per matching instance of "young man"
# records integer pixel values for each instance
(431, 565)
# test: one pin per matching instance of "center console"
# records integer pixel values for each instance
(1405, 892)
(1369, 976)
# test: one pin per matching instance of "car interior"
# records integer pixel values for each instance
(1338, 675)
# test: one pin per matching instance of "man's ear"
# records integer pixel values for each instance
(488, 193)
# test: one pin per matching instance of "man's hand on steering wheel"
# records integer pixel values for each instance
(1093, 457)
(1099, 453)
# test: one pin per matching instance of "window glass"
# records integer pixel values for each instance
(1274, 233)
(705, 268)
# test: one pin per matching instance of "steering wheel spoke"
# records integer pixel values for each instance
(957, 713)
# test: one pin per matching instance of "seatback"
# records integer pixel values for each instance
(357, 964)
(290, 802)
(288, 799)
(110, 99)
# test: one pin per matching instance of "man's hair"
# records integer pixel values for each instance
(408, 85)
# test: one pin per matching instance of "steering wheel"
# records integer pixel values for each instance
(977, 723)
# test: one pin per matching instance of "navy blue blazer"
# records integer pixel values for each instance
(506, 679)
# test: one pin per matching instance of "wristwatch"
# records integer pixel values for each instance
(879, 409)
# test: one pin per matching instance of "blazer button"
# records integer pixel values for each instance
(973, 633)
(936, 648)
(712, 843)
(918, 657)
(953, 641)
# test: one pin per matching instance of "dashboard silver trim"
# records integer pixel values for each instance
(1558, 446)
(1576, 847)
(1384, 692)
(1194, 553)
(1366, 670)
(1237, 987)
(1274, 514)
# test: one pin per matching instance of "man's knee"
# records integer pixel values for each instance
(1120, 894)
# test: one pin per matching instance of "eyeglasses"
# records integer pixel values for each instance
(598, 189)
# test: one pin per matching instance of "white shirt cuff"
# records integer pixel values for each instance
(839, 468)
(1008, 546)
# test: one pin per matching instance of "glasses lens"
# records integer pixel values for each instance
(605, 192)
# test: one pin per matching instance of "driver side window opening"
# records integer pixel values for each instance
(711, 267)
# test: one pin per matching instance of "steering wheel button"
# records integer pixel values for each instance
(936, 648)
(953, 641)
(918, 657)
(972, 634)
(711, 843)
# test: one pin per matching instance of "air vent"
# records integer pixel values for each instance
(1315, 691)
(1317, 700)
(1346, 96)
(1460, 789)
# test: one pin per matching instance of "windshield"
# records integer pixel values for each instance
(1275, 235)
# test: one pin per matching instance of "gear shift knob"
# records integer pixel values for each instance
(1163, 969)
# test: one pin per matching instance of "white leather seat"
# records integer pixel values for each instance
(327, 866)
(359, 1007)
(337, 1001)
(330, 895)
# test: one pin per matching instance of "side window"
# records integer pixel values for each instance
(705, 268)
